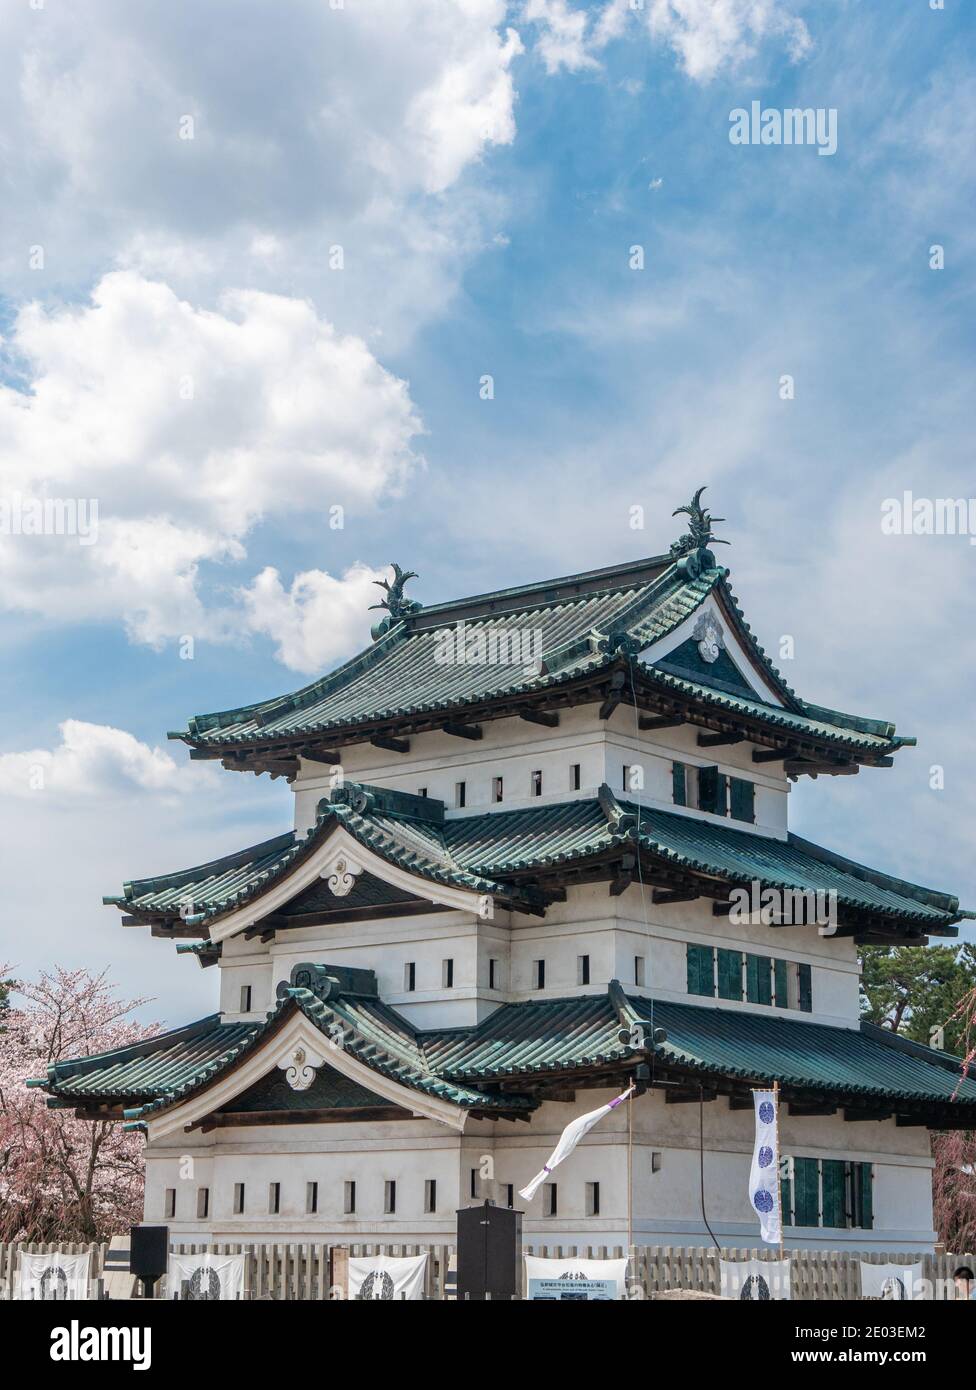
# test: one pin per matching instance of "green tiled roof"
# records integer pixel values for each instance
(583, 620)
(493, 853)
(536, 1041)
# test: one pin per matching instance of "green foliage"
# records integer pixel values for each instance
(913, 989)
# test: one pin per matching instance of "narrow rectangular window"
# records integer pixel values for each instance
(679, 789)
(460, 789)
(759, 988)
(742, 799)
(389, 1197)
(430, 1195)
(701, 969)
(729, 974)
(582, 970)
(238, 1199)
(539, 974)
(410, 976)
(834, 1178)
(492, 974)
(712, 791)
(574, 777)
(447, 974)
(245, 999)
(169, 1203)
(593, 1199)
(804, 980)
(656, 1158)
(862, 1197)
(274, 1198)
(349, 1198)
(549, 1201)
(497, 789)
(473, 1183)
(311, 1197)
(510, 1194)
(786, 1190)
(781, 975)
(639, 970)
(537, 784)
(625, 781)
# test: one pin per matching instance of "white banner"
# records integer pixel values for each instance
(755, 1279)
(53, 1276)
(579, 1280)
(387, 1277)
(889, 1281)
(764, 1193)
(209, 1277)
(568, 1140)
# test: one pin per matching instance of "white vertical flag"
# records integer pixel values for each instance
(568, 1140)
(764, 1192)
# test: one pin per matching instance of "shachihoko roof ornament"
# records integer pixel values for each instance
(397, 606)
(692, 547)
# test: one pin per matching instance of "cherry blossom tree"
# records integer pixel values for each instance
(62, 1178)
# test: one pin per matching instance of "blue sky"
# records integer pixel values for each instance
(186, 355)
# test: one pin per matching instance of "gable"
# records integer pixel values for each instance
(722, 673)
(330, 1090)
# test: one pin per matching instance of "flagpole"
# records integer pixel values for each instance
(630, 1176)
(778, 1177)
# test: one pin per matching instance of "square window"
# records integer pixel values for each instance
(349, 1198)
(421, 791)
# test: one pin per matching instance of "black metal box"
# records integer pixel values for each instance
(489, 1259)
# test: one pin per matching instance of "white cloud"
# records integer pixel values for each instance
(318, 619)
(311, 125)
(188, 426)
(705, 35)
(94, 762)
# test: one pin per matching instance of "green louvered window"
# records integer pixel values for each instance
(701, 970)
(711, 790)
(742, 799)
(786, 1190)
(834, 1179)
(805, 988)
(862, 1184)
(781, 971)
(730, 974)
(759, 989)
(806, 1192)
(679, 784)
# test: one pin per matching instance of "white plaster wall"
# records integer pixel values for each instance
(666, 1205)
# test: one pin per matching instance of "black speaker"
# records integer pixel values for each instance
(148, 1254)
(489, 1258)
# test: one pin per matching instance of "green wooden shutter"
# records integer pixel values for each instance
(701, 970)
(782, 972)
(835, 1193)
(742, 799)
(786, 1190)
(862, 1175)
(805, 988)
(730, 974)
(758, 983)
(711, 790)
(678, 784)
(806, 1192)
